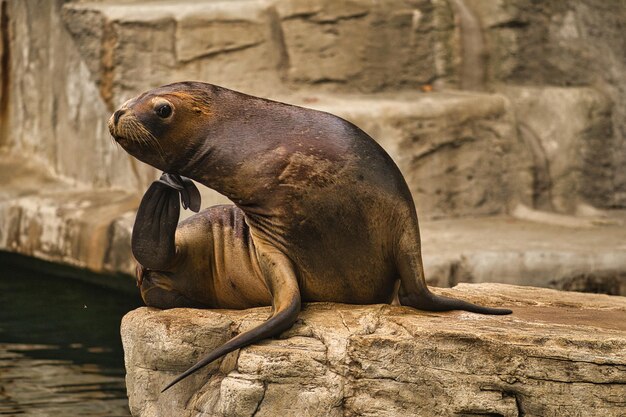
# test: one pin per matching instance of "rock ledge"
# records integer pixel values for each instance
(559, 354)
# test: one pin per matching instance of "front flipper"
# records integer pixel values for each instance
(153, 243)
(283, 285)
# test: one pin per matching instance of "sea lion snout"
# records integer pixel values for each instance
(114, 122)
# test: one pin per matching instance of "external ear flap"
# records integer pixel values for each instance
(190, 195)
(154, 231)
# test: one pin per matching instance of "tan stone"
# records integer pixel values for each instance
(502, 249)
(147, 44)
(55, 114)
(58, 221)
(358, 45)
(563, 43)
(559, 354)
(567, 130)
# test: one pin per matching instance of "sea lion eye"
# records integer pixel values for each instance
(163, 111)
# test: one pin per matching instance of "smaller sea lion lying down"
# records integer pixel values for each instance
(321, 212)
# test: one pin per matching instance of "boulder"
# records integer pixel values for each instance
(558, 354)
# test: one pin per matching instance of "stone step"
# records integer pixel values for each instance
(45, 217)
(508, 250)
(558, 354)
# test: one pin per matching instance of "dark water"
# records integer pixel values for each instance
(60, 347)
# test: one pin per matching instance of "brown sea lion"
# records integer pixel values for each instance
(321, 212)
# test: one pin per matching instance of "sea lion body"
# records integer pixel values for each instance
(323, 212)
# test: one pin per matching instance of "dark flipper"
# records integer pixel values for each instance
(282, 282)
(413, 289)
(153, 243)
(189, 194)
(432, 302)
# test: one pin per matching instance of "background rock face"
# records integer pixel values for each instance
(562, 43)
(486, 106)
(550, 358)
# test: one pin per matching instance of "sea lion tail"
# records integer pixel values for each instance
(280, 321)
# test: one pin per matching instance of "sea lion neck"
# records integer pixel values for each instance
(242, 151)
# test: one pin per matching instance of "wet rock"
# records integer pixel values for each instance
(558, 354)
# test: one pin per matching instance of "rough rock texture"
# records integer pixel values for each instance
(366, 46)
(559, 354)
(566, 130)
(54, 113)
(562, 43)
(135, 46)
(55, 220)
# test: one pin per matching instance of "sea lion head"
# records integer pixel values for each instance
(163, 127)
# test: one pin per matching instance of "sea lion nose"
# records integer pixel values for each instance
(117, 115)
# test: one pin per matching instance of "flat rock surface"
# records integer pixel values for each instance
(558, 354)
(508, 250)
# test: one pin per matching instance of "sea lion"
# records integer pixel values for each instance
(322, 213)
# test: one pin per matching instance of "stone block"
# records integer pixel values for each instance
(567, 130)
(366, 46)
(142, 45)
(559, 354)
(562, 43)
(44, 217)
(502, 249)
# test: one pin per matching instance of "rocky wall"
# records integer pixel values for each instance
(53, 112)
(564, 43)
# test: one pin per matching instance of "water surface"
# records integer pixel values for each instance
(60, 347)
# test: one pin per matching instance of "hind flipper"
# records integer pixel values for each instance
(413, 290)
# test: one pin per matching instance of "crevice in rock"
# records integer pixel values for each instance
(277, 37)
(225, 50)
(456, 143)
(511, 24)
(519, 404)
(542, 180)
(258, 406)
(107, 64)
(5, 67)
